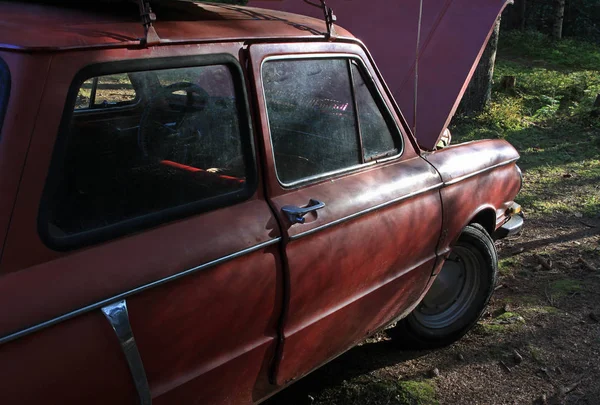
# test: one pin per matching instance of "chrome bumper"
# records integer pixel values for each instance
(511, 227)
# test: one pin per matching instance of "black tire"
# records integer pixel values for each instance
(446, 314)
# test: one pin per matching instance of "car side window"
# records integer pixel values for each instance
(106, 91)
(375, 131)
(186, 146)
(311, 117)
(323, 118)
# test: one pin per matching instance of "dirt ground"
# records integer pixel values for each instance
(538, 343)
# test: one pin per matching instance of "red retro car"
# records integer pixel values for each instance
(206, 207)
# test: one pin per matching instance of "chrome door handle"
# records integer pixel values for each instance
(296, 214)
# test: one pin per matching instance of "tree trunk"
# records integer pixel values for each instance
(522, 12)
(479, 92)
(558, 19)
(595, 113)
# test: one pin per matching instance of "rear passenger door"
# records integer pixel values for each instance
(360, 208)
(152, 212)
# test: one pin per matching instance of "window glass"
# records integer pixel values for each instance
(311, 117)
(181, 145)
(84, 95)
(375, 132)
(106, 91)
(4, 90)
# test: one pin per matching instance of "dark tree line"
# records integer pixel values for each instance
(556, 18)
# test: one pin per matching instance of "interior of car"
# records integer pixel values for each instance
(172, 144)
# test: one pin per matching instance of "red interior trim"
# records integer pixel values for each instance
(192, 169)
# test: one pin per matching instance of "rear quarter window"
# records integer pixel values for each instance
(106, 92)
(165, 142)
(4, 90)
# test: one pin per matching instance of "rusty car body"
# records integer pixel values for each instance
(212, 215)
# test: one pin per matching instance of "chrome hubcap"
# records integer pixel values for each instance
(453, 291)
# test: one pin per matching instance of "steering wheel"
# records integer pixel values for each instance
(169, 130)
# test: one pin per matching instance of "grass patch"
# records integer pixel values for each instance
(548, 118)
(564, 288)
(417, 393)
(508, 318)
(507, 322)
(367, 390)
(540, 310)
(537, 47)
(506, 266)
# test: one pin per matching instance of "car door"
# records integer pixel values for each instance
(360, 209)
(142, 263)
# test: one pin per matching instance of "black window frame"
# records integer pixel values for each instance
(145, 222)
(395, 129)
(386, 113)
(4, 92)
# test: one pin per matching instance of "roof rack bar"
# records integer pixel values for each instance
(148, 17)
(330, 18)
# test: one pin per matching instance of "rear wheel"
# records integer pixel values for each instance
(458, 296)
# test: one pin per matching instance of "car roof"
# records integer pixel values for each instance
(64, 25)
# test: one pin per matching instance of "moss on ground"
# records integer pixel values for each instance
(537, 310)
(563, 288)
(507, 322)
(507, 265)
(417, 392)
(536, 353)
(509, 318)
(368, 390)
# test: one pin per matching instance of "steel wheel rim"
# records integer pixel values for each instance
(454, 290)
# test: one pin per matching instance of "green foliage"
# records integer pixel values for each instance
(534, 46)
(548, 118)
(504, 114)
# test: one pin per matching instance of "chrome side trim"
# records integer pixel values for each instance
(485, 169)
(366, 211)
(118, 317)
(108, 301)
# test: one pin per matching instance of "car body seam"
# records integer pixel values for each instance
(485, 169)
(25, 158)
